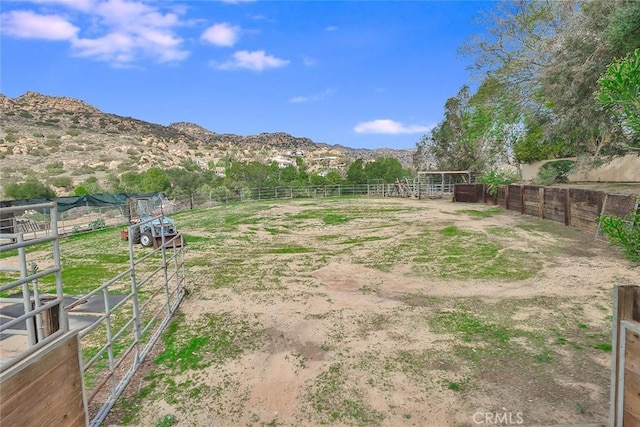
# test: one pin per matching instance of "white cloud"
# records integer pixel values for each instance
(386, 126)
(256, 61)
(29, 25)
(83, 5)
(309, 62)
(312, 98)
(221, 34)
(299, 99)
(121, 31)
(331, 28)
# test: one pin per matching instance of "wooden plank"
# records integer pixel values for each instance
(522, 199)
(632, 352)
(541, 202)
(506, 196)
(635, 311)
(623, 309)
(629, 420)
(632, 393)
(45, 388)
(567, 207)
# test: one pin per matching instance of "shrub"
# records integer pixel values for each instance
(494, 178)
(55, 167)
(32, 189)
(555, 171)
(624, 233)
(62, 182)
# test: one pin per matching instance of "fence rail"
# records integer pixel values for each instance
(114, 327)
(86, 218)
(138, 304)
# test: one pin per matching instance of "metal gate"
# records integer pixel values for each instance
(117, 323)
(137, 304)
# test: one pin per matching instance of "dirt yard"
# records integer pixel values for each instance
(383, 312)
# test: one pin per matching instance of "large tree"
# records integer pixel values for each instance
(620, 93)
(546, 57)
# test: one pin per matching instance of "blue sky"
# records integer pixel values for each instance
(363, 74)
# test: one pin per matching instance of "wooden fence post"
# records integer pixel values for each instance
(522, 199)
(506, 197)
(567, 207)
(541, 202)
(626, 306)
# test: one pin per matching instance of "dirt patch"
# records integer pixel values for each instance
(375, 317)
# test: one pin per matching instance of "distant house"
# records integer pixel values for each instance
(282, 162)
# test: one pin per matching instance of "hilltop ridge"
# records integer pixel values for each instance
(38, 131)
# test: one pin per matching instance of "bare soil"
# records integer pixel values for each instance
(361, 330)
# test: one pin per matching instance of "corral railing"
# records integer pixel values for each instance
(112, 328)
(87, 218)
(22, 288)
(134, 307)
(39, 367)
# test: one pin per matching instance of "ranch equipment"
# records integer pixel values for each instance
(149, 226)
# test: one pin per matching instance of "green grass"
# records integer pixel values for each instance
(334, 219)
(290, 249)
(214, 339)
(333, 400)
(486, 213)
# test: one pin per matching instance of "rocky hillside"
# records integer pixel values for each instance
(41, 136)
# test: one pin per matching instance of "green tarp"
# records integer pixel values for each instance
(97, 200)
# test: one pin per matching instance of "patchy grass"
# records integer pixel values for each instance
(187, 349)
(484, 213)
(332, 400)
(372, 341)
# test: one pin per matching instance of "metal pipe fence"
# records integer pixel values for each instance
(37, 333)
(87, 218)
(137, 305)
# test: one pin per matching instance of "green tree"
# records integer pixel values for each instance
(386, 168)
(88, 186)
(31, 189)
(547, 57)
(288, 174)
(186, 181)
(154, 180)
(620, 92)
(356, 173)
(130, 182)
(333, 178)
(453, 143)
(62, 182)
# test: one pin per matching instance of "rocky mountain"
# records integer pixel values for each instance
(43, 136)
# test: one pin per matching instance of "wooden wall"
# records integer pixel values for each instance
(45, 389)
(570, 206)
(625, 363)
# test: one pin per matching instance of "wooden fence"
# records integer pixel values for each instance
(45, 389)
(570, 206)
(625, 363)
